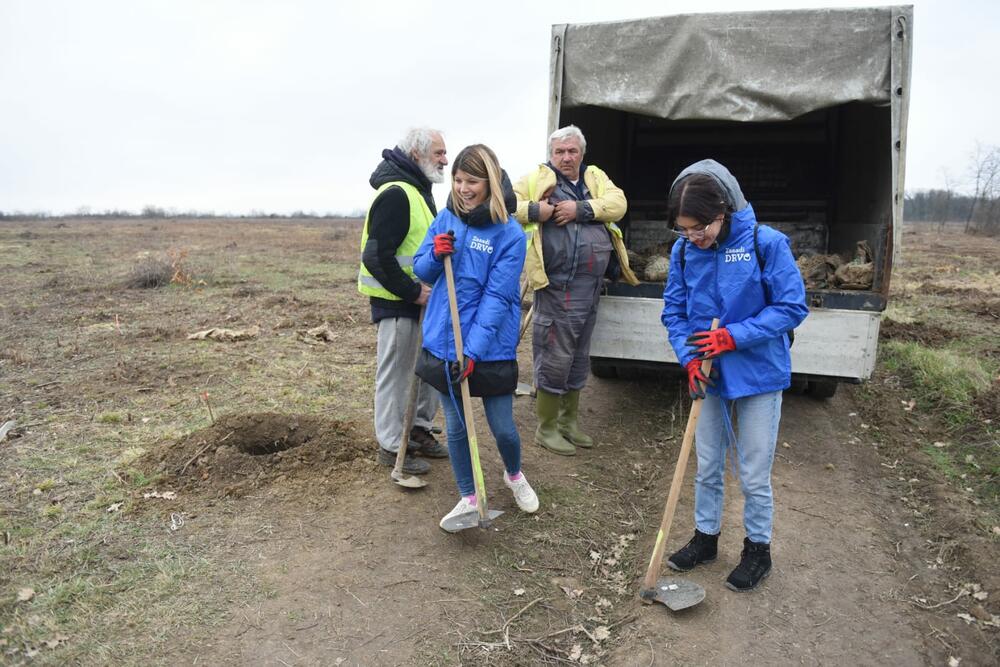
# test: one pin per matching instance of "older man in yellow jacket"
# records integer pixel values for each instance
(569, 211)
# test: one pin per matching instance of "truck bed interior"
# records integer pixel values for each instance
(824, 179)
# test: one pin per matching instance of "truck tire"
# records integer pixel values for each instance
(604, 371)
(798, 387)
(821, 389)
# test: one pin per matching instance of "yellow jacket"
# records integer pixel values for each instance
(608, 204)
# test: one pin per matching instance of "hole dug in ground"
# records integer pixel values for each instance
(243, 452)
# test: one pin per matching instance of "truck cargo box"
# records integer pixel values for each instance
(808, 110)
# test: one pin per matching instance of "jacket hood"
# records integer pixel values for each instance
(480, 215)
(397, 166)
(730, 186)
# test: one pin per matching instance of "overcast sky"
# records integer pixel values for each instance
(231, 106)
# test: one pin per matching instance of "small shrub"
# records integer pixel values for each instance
(150, 272)
(109, 418)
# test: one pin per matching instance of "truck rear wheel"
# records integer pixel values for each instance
(798, 387)
(604, 371)
(822, 388)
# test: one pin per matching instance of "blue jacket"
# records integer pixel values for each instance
(487, 265)
(757, 309)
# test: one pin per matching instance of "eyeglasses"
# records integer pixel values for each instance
(695, 232)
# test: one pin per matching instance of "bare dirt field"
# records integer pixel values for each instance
(215, 502)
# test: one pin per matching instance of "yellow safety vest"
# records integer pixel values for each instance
(420, 222)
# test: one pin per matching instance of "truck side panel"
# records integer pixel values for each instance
(832, 343)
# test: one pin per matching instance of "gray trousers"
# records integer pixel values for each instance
(562, 326)
(396, 351)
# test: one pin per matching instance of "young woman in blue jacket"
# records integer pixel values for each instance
(487, 249)
(715, 272)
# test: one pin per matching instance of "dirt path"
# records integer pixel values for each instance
(370, 579)
(831, 598)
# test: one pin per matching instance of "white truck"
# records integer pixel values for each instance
(807, 108)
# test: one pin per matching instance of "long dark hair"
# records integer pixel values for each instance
(700, 197)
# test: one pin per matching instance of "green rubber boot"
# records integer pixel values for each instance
(547, 435)
(569, 427)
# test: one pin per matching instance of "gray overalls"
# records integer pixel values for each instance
(576, 256)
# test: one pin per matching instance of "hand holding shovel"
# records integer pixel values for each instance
(483, 516)
(675, 593)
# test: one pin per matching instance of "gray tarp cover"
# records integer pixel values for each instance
(747, 66)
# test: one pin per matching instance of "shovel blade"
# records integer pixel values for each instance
(676, 594)
(469, 520)
(408, 481)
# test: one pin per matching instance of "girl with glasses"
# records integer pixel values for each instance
(715, 273)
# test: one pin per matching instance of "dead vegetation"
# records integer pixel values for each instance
(149, 273)
(135, 519)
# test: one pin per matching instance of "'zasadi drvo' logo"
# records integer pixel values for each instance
(737, 255)
(481, 244)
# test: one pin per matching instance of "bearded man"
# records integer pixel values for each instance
(396, 224)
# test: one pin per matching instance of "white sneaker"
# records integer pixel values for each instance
(524, 495)
(463, 507)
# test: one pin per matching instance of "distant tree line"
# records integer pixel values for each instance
(936, 206)
(979, 212)
(159, 212)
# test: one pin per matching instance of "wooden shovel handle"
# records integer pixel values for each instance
(470, 426)
(411, 405)
(649, 581)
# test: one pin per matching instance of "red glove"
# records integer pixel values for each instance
(444, 244)
(458, 374)
(708, 344)
(697, 379)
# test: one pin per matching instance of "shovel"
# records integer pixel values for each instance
(410, 481)
(482, 517)
(675, 593)
(523, 388)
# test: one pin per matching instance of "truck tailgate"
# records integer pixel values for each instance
(831, 343)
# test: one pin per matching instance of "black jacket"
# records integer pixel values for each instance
(388, 225)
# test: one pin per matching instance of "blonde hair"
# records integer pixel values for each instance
(479, 161)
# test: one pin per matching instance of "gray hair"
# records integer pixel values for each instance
(418, 140)
(568, 132)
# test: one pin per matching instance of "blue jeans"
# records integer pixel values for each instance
(500, 416)
(756, 429)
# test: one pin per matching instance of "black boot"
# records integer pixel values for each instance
(423, 443)
(702, 548)
(411, 464)
(755, 565)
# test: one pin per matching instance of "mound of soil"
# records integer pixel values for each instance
(240, 453)
(928, 335)
(948, 290)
